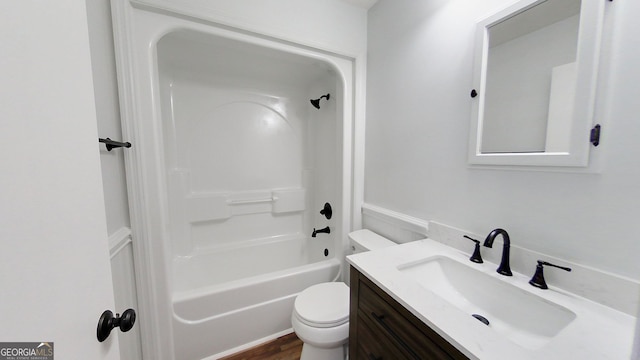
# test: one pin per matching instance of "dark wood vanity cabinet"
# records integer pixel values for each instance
(381, 328)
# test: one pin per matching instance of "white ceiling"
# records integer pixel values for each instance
(365, 4)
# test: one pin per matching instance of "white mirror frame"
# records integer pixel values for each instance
(589, 39)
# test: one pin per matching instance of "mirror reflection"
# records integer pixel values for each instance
(531, 79)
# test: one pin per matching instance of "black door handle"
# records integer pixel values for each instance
(107, 322)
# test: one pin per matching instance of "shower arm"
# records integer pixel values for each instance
(316, 102)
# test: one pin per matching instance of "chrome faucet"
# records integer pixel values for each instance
(504, 268)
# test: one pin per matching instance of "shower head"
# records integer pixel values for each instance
(316, 102)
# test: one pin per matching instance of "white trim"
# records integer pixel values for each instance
(400, 220)
(119, 240)
(153, 343)
(359, 127)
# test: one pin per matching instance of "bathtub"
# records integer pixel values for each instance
(218, 320)
(250, 259)
(230, 167)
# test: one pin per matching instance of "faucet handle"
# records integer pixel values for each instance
(326, 211)
(538, 278)
(476, 257)
(540, 262)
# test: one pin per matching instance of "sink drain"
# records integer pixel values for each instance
(481, 318)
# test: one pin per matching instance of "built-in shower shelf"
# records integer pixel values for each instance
(252, 201)
(220, 206)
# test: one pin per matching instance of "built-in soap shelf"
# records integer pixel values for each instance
(220, 206)
(202, 206)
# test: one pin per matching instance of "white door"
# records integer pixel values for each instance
(55, 279)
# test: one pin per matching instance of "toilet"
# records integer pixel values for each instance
(321, 312)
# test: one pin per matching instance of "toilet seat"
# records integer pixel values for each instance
(323, 305)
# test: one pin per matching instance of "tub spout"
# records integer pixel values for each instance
(325, 230)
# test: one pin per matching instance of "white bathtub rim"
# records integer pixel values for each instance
(232, 312)
(209, 250)
(253, 280)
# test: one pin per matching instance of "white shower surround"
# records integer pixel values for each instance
(177, 310)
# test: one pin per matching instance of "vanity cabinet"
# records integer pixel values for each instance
(381, 328)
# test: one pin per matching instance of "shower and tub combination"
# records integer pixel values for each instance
(239, 177)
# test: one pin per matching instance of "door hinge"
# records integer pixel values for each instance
(595, 135)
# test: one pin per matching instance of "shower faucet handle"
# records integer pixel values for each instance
(326, 211)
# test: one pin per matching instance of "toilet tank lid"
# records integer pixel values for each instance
(369, 240)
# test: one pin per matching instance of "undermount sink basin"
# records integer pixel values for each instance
(522, 317)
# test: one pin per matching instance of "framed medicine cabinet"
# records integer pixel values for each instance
(534, 83)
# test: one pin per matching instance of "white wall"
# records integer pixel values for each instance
(418, 110)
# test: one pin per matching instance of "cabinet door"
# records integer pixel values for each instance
(385, 317)
(383, 323)
(375, 345)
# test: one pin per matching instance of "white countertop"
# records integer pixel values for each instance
(598, 332)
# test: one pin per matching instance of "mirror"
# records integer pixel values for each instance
(535, 79)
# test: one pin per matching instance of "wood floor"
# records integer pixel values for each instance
(286, 347)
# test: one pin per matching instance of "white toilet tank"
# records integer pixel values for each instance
(366, 240)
